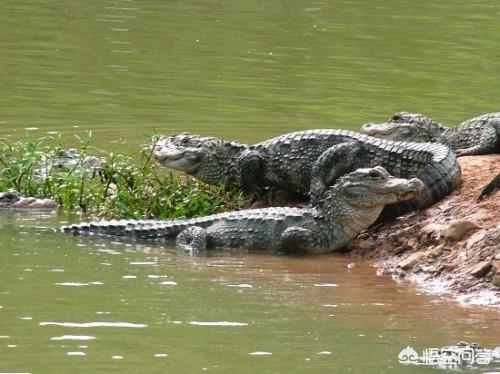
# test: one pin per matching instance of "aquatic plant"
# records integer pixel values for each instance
(107, 184)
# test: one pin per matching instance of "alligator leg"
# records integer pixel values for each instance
(192, 240)
(487, 143)
(250, 165)
(333, 163)
(490, 187)
(297, 239)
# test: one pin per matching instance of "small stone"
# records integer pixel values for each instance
(496, 280)
(411, 261)
(437, 251)
(412, 243)
(481, 269)
(475, 238)
(449, 266)
(431, 228)
(457, 229)
(359, 244)
(496, 265)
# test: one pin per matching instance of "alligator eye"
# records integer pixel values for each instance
(374, 173)
(185, 141)
(396, 117)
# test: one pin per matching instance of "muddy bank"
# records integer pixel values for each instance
(450, 248)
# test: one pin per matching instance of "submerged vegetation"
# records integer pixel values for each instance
(106, 184)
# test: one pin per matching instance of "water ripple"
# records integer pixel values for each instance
(94, 324)
(218, 323)
(73, 337)
(76, 353)
(79, 284)
(260, 353)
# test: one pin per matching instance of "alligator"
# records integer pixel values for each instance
(476, 136)
(13, 200)
(70, 160)
(307, 162)
(349, 206)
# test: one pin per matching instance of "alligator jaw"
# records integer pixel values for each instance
(164, 154)
(374, 129)
(403, 189)
(179, 159)
(415, 186)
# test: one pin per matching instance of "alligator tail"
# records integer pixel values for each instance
(141, 229)
(441, 175)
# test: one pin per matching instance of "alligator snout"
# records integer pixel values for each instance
(374, 129)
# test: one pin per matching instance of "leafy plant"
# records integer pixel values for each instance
(106, 184)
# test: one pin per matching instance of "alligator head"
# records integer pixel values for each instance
(13, 199)
(375, 186)
(9, 198)
(206, 158)
(405, 126)
(361, 195)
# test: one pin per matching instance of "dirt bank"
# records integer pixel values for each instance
(450, 248)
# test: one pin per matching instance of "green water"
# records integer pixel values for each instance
(244, 70)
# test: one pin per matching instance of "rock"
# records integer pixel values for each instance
(411, 261)
(359, 244)
(449, 266)
(481, 269)
(496, 264)
(437, 251)
(475, 238)
(457, 229)
(496, 280)
(432, 228)
(412, 243)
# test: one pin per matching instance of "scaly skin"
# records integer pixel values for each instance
(477, 136)
(13, 200)
(349, 207)
(307, 162)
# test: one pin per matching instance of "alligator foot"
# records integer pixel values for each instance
(336, 161)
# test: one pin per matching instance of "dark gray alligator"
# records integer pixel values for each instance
(476, 136)
(13, 200)
(307, 162)
(350, 206)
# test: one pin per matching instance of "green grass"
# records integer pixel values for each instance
(143, 188)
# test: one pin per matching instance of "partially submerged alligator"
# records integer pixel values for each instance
(13, 200)
(476, 136)
(310, 161)
(70, 160)
(349, 207)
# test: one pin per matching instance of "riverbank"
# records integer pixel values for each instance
(450, 248)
